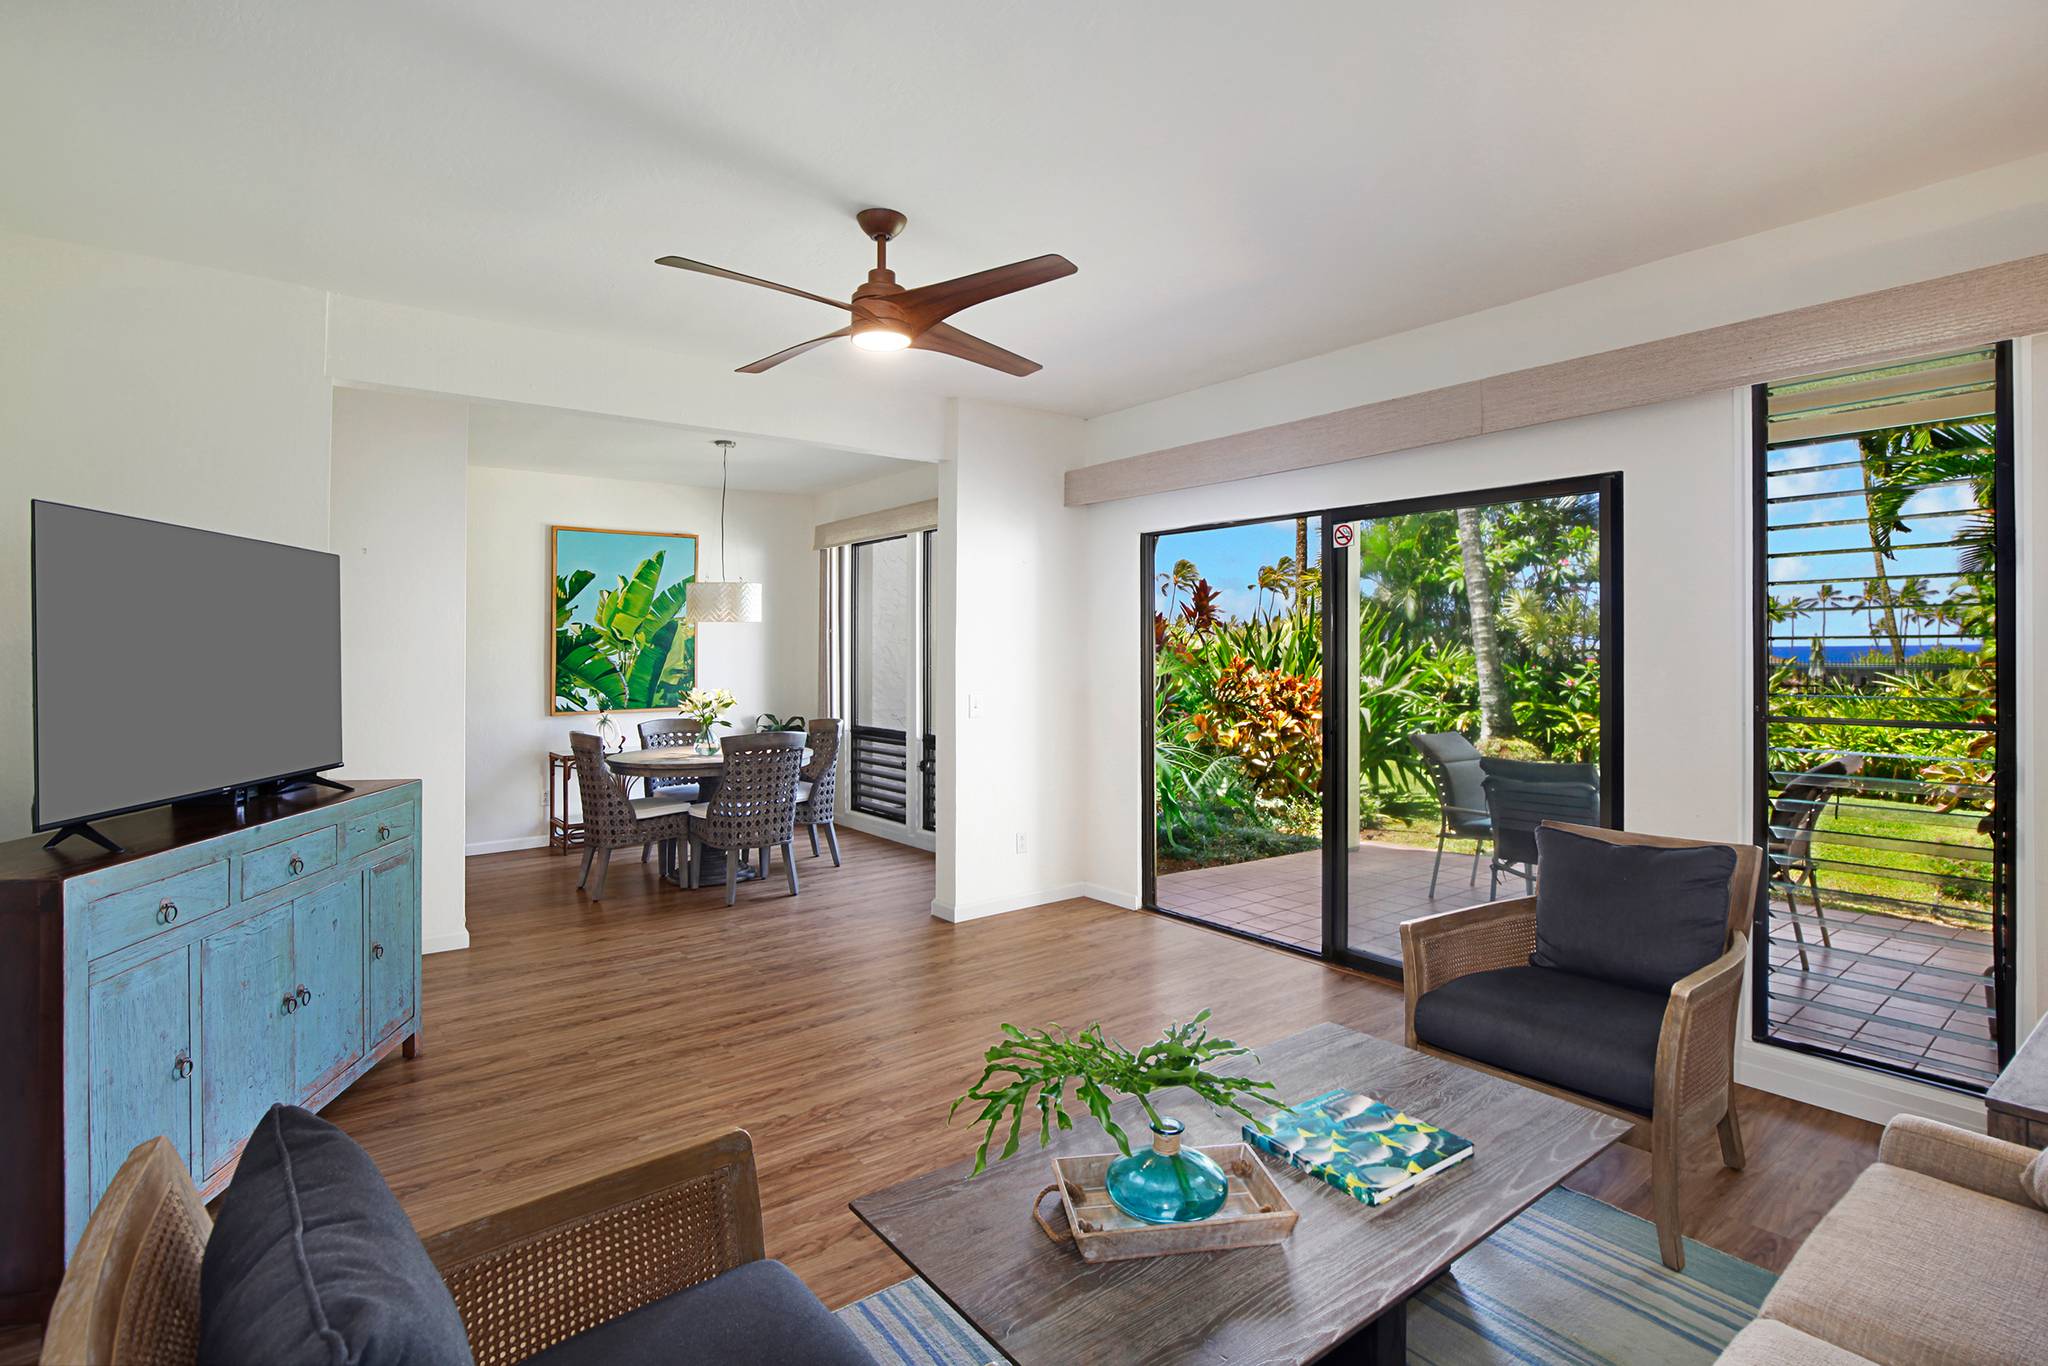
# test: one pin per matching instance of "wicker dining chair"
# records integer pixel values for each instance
(817, 784)
(755, 807)
(525, 1277)
(662, 733)
(613, 820)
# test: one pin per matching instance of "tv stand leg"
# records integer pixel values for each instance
(315, 780)
(411, 1047)
(86, 832)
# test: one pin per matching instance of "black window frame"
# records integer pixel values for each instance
(2004, 786)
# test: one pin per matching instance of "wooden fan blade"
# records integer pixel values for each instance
(770, 362)
(928, 304)
(951, 341)
(682, 263)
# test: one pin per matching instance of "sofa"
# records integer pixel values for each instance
(1936, 1256)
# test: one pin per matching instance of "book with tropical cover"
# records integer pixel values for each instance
(1367, 1149)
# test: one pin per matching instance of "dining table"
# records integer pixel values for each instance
(681, 761)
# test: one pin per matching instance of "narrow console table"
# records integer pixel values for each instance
(2016, 1106)
(221, 965)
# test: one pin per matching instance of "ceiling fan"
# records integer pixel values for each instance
(888, 317)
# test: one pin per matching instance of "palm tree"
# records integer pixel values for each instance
(1911, 596)
(1496, 717)
(1825, 597)
(1300, 554)
(1270, 580)
(1175, 581)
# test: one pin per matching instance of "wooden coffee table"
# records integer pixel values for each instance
(1336, 1290)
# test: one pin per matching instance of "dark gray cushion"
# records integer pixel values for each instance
(312, 1260)
(1580, 1033)
(1632, 914)
(756, 1312)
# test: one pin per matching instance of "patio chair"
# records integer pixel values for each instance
(1618, 985)
(1521, 795)
(1453, 766)
(1794, 815)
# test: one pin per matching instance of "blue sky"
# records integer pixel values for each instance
(1229, 558)
(1797, 552)
(615, 555)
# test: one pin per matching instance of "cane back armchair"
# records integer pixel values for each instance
(1692, 1082)
(523, 1278)
(613, 820)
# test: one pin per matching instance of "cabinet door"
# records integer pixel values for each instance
(245, 1030)
(139, 1025)
(327, 952)
(393, 947)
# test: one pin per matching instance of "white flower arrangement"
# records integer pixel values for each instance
(707, 706)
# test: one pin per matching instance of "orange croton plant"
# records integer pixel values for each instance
(1272, 721)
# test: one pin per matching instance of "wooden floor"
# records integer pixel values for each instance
(836, 1027)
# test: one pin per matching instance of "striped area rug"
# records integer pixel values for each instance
(1571, 1281)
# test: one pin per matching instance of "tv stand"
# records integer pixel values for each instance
(312, 780)
(85, 832)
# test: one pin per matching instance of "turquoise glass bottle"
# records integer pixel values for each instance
(1167, 1184)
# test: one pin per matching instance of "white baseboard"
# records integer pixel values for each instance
(1127, 901)
(445, 943)
(1022, 901)
(505, 846)
(1855, 1091)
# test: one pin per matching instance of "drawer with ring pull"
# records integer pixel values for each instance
(377, 829)
(288, 861)
(123, 918)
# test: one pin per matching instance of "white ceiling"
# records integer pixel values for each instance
(1240, 185)
(510, 436)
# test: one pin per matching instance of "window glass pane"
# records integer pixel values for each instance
(1477, 679)
(1881, 755)
(1237, 727)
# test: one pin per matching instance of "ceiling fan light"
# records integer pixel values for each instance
(880, 339)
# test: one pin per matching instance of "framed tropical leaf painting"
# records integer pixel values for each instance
(620, 641)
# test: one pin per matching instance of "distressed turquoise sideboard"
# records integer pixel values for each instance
(181, 989)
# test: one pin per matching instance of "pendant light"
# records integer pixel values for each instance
(722, 599)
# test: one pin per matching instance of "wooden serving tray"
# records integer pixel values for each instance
(1255, 1213)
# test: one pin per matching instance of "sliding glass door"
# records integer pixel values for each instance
(887, 629)
(1472, 639)
(1360, 714)
(1234, 677)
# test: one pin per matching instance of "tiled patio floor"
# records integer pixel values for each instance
(1903, 992)
(1281, 898)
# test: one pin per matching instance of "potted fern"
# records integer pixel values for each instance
(1033, 1070)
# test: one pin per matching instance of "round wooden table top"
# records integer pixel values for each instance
(666, 762)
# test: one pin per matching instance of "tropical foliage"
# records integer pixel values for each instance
(634, 653)
(1238, 705)
(1031, 1070)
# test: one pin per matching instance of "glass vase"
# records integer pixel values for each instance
(1167, 1184)
(706, 743)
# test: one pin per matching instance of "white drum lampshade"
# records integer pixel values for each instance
(710, 600)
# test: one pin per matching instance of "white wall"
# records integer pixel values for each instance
(400, 509)
(1685, 669)
(772, 666)
(1008, 574)
(150, 388)
(1974, 220)
(915, 484)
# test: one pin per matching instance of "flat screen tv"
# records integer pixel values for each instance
(171, 663)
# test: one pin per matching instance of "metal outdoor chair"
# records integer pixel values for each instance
(1521, 795)
(1453, 766)
(1794, 816)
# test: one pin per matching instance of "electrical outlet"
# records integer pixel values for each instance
(1020, 843)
